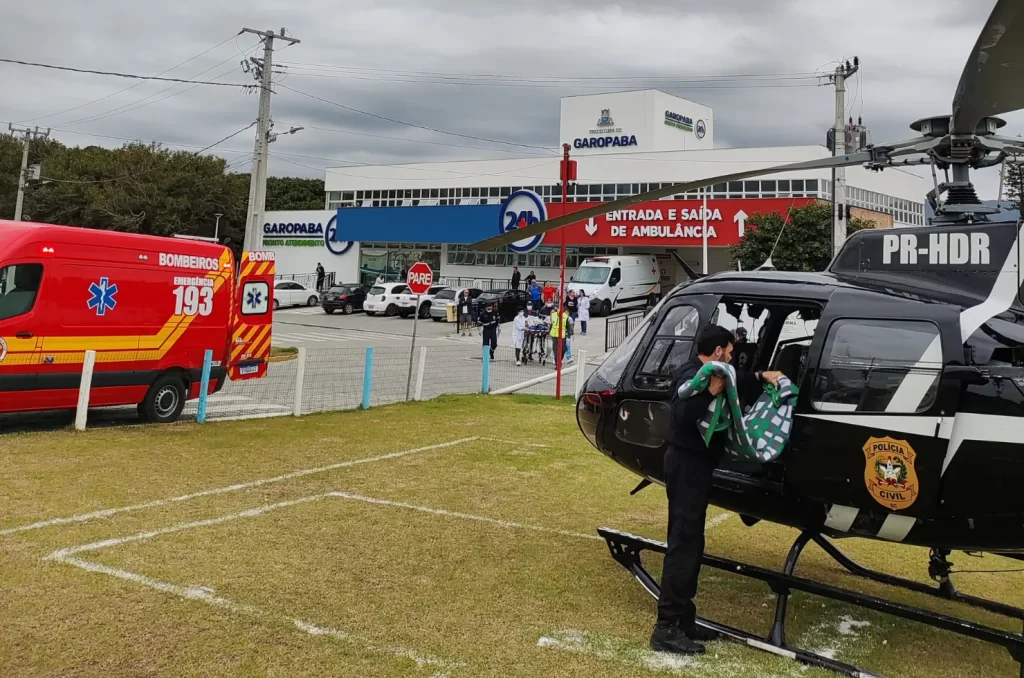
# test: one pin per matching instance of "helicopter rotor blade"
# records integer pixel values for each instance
(992, 77)
(622, 203)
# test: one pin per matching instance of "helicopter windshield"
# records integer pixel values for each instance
(612, 369)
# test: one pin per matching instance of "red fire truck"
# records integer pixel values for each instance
(148, 306)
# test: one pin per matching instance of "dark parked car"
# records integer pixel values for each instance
(345, 297)
(509, 302)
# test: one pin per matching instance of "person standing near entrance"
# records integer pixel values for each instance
(548, 293)
(465, 322)
(320, 275)
(515, 278)
(583, 306)
(689, 464)
(488, 320)
(519, 335)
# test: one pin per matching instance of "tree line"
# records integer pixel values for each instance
(141, 188)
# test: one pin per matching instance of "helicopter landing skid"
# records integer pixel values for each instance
(626, 549)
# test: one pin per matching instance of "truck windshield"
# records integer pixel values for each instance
(19, 285)
(591, 275)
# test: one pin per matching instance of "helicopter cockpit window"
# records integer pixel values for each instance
(671, 348)
(610, 371)
(865, 362)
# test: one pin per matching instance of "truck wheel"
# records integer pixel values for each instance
(164, 401)
(312, 301)
(606, 308)
(347, 310)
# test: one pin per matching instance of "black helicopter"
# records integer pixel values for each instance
(910, 421)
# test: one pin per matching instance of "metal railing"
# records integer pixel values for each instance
(618, 328)
(307, 280)
(479, 283)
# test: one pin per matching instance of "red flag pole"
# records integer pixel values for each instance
(561, 285)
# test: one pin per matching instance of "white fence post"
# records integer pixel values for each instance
(419, 373)
(83, 390)
(300, 374)
(581, 371)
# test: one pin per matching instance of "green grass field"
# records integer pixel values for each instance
(449, 538)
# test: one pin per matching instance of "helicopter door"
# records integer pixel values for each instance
(865, 439)
(643, 368)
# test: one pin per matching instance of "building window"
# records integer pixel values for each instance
(853, 378)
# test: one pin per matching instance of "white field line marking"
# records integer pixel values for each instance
(105, 513)
(205, 595)
(444, 672)
(465, 516)
(64, 553)
(715, 521)
(610, 648)
(202, 594)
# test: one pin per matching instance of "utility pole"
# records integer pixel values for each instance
(839, 200)
(567, 170)
(262, 71)
(28, 136)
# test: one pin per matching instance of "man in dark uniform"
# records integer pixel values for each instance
(489, 322)
(689, 464)
(515, 277)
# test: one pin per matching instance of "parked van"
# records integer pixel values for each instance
(148, 306)
(629, 281)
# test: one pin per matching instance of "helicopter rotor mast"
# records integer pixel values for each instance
(992, 83)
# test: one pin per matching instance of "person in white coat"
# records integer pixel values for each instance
(583, 308)
(519, 334)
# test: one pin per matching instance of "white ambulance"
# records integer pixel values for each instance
(612, 283)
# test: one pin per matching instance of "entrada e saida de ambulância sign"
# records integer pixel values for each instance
(304, 234)
(673, 223)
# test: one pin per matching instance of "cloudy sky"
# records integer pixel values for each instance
(493, 70)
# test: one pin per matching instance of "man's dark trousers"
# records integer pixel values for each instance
(688, 485)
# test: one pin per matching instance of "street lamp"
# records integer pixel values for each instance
(216, 226)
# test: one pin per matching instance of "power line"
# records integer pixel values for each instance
(409, 124)
(412, 141)
(548, 78)
(808, 81)
(121, 91)
(138, 103)
(124, 75)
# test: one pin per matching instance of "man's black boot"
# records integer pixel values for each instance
(670, 638)
(702, 633)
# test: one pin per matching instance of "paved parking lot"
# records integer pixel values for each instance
(312, 328)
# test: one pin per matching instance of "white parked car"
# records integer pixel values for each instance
(384, 298)
(291, 293)
(407, 302)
